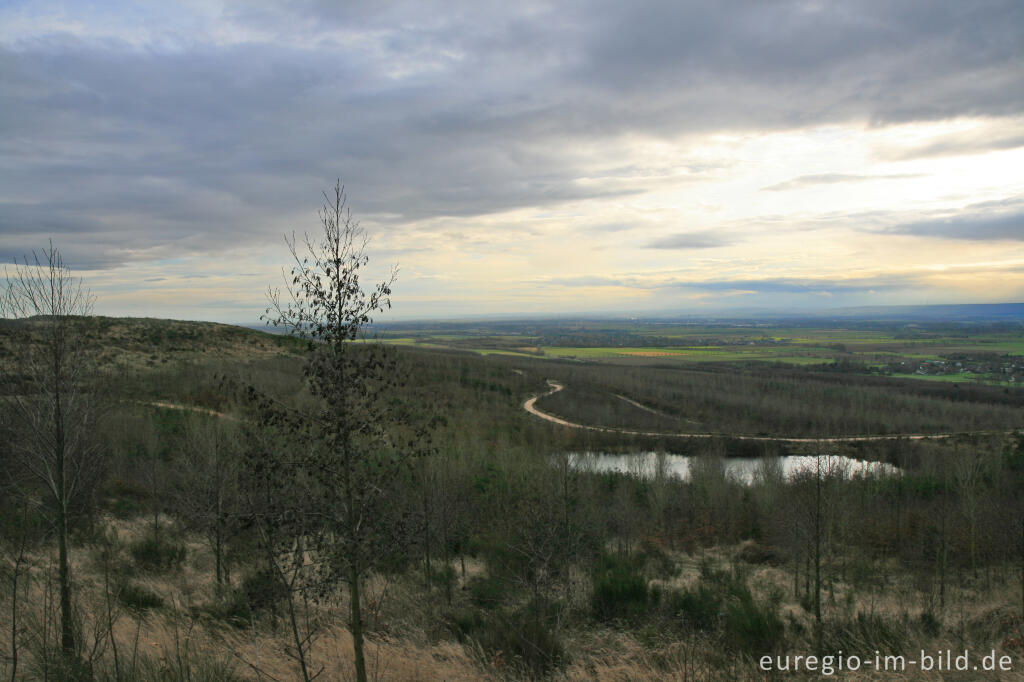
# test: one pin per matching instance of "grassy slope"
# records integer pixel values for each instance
(148, 342)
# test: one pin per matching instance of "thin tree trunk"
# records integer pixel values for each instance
(354, 565)
(217, 557)
(67, 630)
(942, 564)
(356, 621)
(300, 650)
(448, 571)
(218, 522)
(817, 555)
(426, 538)
(110, 614)
(15, 575)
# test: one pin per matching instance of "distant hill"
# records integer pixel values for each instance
(969, 312)
(135, 341)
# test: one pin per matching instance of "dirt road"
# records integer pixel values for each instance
(531, 407)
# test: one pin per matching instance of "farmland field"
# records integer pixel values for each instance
(944, 352)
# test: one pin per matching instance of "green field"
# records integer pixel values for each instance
(899, 350)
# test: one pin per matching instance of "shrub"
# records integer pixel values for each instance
(231, 607)
(126, 499)
(263, 590)
(868, 632)
(488, 592)
(464, 623)
(753, 626)
(620, 590)
(756, 553)
(150, 555)
(526, 640)
(699, 607)
(138, 598)
(930, 625)
(722, 602)
(656, 562)
(443, 577)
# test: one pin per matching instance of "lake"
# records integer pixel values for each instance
(744, 470)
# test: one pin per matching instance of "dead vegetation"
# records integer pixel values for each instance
(170, 625)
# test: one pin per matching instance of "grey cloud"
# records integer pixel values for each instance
(763, 286)
(587, 282)
(428, 112)
(833, 178)
(995, 220)
(610, 227)
(954, 145)
(972, 227)
(691, 240)
(792, 285)
(796, 63)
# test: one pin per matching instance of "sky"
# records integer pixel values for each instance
(521, 157)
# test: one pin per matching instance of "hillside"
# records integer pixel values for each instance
(136, 342)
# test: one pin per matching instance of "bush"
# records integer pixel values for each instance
(866, 632)
(263, 590)
(930, 625)
(464, 623)
(150, 555)
(488, 592)
(232, 607)
(755, 553)
(524, 638)
(699, 608)
(753, 626)
(126, 499)
(656, 562)
(138, 598)
(620, 590)
(443, 577)
(722, 602)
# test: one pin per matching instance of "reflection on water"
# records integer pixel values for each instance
(744, 470)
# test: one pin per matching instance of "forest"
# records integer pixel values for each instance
(245, 506)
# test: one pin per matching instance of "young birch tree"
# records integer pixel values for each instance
(347, 455)
(53, 417)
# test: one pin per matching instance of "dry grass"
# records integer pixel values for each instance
(174, 640)
(407, 641)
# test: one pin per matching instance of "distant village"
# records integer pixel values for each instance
(1009, 368)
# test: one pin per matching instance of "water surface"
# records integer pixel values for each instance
(742, 469)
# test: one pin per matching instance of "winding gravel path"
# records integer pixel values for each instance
(531, 406)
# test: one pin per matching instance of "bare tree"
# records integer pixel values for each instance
(206, 493)
(969, 470)
(344, 446)
(53, 415)
(811, 500)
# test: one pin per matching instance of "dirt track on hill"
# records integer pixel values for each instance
(187, 408)
(531, 407)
